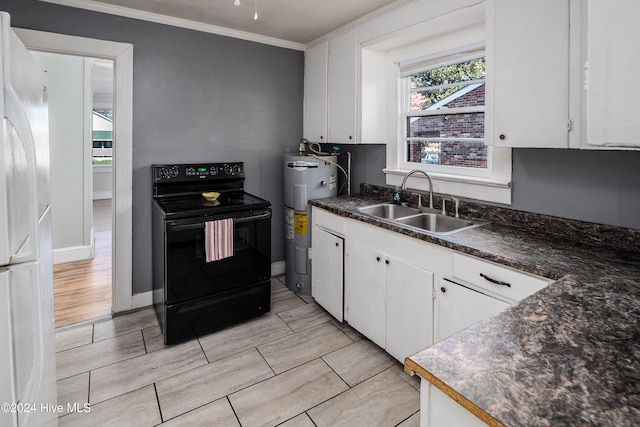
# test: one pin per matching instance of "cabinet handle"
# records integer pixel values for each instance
(378, 258)
(502, 136)
(337, 244)
(494, 281)
(443, 289)
(350, 137)
(321, 137)
(386, 262)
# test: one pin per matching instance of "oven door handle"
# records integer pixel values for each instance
(200, 225)
(252, 218)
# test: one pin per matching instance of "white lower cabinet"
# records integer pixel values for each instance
(327, 265)
(458, 307)
(389, 301)
(365, 274)
(442, 410)
(395, 294)
(408, 309)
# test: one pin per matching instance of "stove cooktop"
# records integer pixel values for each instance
(197, 205)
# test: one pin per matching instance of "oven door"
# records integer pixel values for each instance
(190, 276)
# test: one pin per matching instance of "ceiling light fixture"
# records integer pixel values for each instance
(236, 2)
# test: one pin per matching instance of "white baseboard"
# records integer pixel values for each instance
(102, 195)
(144, 299)
(74, 253)
(278, 268)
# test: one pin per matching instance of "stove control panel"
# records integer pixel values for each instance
(197, 172)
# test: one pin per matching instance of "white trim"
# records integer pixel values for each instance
(144, 299)
(497, 191)
(176, 22)
(434, 60)
(122, 55)
(102, 195)
(75, 253)
(72, 254)
(87, 154)
(278, 268)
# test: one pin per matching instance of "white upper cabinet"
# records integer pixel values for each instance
(331, 90)
(527, 48)
(343, 61)
(344, 102)
(611, 69)
(315, 93)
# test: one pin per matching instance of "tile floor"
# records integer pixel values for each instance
(296, 366)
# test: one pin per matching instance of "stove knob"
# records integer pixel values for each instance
(236, 169)
(173, 172)
(228, 170)
(213, 170)
(162, 173)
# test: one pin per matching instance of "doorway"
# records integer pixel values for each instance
(122, 56)
(81, 152)
(83, 289)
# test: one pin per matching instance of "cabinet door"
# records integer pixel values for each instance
(613, 64)
(444, 411)
(409, 309)
(365, 291)
(315, 93)
(527, 101)
(458, 307)
(327, 267)
(342, 87)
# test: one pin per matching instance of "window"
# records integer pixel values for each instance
(432, 77)
(102, 137)
(442, 112)
(441, 126)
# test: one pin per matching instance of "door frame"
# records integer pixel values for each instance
(122, 56)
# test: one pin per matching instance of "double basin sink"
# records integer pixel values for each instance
(423, 219)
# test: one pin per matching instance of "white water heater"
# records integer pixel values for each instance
(305, 178)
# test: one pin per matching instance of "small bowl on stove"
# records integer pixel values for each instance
(211, 196)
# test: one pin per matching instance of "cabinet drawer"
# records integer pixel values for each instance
(329, 221)
(498, 280)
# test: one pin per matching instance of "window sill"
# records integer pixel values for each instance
(484, 189)
(102, 168)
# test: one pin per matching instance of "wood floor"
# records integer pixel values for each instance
(82, 290)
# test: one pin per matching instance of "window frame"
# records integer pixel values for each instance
(492, 184)
(435, 61)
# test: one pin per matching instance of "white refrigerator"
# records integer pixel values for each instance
(28, 394)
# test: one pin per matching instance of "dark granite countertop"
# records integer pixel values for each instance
(569, 354)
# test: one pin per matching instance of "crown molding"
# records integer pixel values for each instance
(359, 21)
(157, 18)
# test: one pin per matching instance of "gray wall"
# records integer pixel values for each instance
(197, 97)
(588, 185)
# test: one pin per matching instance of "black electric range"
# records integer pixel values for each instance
(193, 293)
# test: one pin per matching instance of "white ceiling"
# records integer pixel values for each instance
(298, 21)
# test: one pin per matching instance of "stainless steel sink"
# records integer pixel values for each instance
(440, 224)
(428, 222)
(388, 211)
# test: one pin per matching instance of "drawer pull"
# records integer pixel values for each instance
(494, 281)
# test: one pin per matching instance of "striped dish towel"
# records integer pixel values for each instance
(218, 239)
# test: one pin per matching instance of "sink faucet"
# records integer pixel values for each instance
(404, 184)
